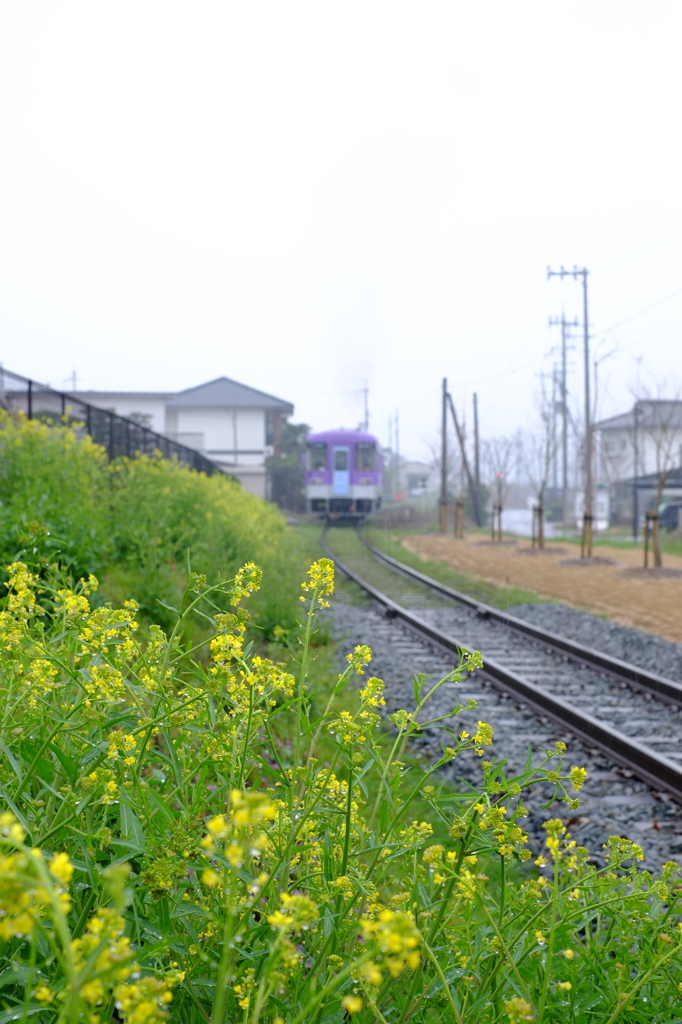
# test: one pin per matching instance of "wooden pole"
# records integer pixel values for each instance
(444, 459)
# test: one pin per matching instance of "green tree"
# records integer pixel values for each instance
(285, 468)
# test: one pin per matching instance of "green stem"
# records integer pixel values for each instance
(629, 996)
(446, 987)
(550, 944)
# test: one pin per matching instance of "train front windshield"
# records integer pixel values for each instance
(365, 456)
(317, 456)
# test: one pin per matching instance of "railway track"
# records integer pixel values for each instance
(632, 716)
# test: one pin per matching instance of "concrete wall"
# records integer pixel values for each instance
(234, 436)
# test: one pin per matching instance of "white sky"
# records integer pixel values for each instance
(305, 196)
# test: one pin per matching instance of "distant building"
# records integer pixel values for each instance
(234, 425)
(631, 447)
(619, 436)
(418, 478)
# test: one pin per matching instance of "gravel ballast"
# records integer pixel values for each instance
(613, 801)
(643, 649)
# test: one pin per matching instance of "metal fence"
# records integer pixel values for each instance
(117, 434)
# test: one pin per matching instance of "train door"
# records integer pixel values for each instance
(341, 471)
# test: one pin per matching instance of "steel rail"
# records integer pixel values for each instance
(622, 670)
(651, 767)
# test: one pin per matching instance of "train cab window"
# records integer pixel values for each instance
(317, 455)
(365, 456)
(341, 458)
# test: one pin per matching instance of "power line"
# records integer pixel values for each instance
(641, 312)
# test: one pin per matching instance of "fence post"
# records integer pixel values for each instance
(29, 400)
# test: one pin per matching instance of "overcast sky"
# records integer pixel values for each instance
(310, 196)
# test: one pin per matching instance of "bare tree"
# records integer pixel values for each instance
(658, 408)
(498, 459)
(539, 452)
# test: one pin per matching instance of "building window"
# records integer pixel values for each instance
(270, 427)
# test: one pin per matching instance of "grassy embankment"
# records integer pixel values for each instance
(173, 846)
(389, 541)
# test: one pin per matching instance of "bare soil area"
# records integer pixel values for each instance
(652, 603)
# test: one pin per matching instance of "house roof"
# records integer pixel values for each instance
(101, 395)
(651, 413)
(230, 393)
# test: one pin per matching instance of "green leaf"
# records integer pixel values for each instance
(69, 764)
(131, 828)
(19, 1012)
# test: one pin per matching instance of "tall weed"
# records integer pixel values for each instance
(172, 849)
(142, 523)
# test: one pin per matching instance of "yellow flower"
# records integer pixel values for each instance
(518, 1010)
(44, 994)
(210, 877)
(234, 854)
(61, 868)
(565, 985)
(578, 776)
(371, 973)
(352, 1004)
(321, 580)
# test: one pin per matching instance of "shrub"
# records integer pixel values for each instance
(172, 849)
(140, 523)
(49, 476)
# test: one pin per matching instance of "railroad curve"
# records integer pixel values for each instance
(632, 716)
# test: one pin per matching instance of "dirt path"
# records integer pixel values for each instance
(654, 605)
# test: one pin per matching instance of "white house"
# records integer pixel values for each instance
(633, 448)
(639, 442)
(418, 479)
(234, 425)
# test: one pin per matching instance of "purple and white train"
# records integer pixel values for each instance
(343, 474)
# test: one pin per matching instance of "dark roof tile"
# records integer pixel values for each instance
(225, 392)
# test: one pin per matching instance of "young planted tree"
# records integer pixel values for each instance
(539, 452)
(658, 408)
(498, 459)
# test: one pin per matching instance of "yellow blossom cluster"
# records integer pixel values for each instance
(320, 581)
(359, 657)
(25, 894)
(247, 580)
(295, 914)
(22, 586)
(395, 937)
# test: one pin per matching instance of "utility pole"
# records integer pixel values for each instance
(555, 457)
(397, 452)
(635, 476)
(365, 392)
(577, 273)
(477, 461)
(465, 461)
(444, 459)
(390, 448)
(565, 325)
